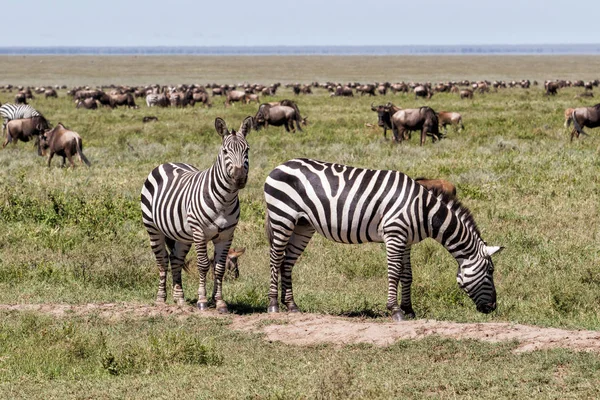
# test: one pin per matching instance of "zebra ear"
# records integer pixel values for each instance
(221, 127)
(491, 250)
(246, 126)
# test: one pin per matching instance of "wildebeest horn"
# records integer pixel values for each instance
(373, 107)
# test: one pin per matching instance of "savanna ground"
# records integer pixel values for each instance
(78, 279)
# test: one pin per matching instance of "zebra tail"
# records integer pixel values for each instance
(268, 229)
(81, 155)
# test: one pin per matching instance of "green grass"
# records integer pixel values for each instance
(76, 236)
(202, 358)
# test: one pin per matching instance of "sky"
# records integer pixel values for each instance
(296, 23)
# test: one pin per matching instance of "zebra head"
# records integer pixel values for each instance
(476, 278)
(234, 151)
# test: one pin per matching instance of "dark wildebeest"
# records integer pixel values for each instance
(50, 93)
(88, 104)
(277, 116)
(233, 96)
(423, 91)
(64, 142)
(584, 95)
(551, 88)
(466, 94)
(585, 117)
(20, 98)
(384, 117)
(149, 118)
(25, 129)
(441, 185)
(367, 89)
(450, 118)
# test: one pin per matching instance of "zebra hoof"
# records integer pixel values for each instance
(181, 302)
(202, 306)
(273, 309)
(160, 301)
(398, 316)
(293, 308)
(222, 307)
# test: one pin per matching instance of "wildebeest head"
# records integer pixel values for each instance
(234, 151)
(261, 116)
(383, 115)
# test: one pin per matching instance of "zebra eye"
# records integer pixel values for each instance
(225, 151)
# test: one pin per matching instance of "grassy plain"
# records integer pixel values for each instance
(76, 236)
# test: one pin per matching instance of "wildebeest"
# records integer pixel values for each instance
(50, 93)
(585, 117)
(231, 263)
(423, 119)
(25, 129)
(450, 118)
(423, 91)
(201, 97)
(344, 91)
(551, 88)
(277, 116)
(441, 185)
(402, 122)
(64, 142)
(466, 94)
(584, 95)
(233, 96)
(89, 104)
(384, 117)
(125, 99)
(20, 98)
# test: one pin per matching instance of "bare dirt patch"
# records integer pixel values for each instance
(310, 329)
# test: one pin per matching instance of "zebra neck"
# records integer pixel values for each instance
(220, 185)
(453, 229)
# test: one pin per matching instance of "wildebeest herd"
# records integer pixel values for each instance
(183, 206)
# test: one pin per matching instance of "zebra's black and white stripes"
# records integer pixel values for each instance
(182, 206)
(355, 205)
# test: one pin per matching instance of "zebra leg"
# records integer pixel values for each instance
(406, 282)
(296, 245)
(279, 234)
(221, 250)
(395, 247)
(176, 259)
(203, 267)
(158, 245)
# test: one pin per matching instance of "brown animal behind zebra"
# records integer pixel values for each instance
(441, 185)
(231, 265)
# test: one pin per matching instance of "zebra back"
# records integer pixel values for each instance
(17, 111)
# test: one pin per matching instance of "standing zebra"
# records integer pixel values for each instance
(355, 205)
(16, 111)
(182, 206)
(159, 100)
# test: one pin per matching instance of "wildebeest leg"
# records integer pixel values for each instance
(395, 249)
(302, 234)
(50, 155)
(176, 259)
(423, 135)
(297, 125)
(395, 132)
(287, 128)
(221, 250)
(203, 267)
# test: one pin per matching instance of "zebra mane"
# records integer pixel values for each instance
(463, 213)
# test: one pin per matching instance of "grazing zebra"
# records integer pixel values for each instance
(355, 205)
(182, 206)
(154, 99)
(16, 111)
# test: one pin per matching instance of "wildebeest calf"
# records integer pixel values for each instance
(64, 142)
(450, 118)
